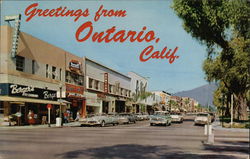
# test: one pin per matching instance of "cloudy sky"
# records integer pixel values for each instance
(183, 74)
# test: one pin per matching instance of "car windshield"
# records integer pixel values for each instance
(202, 115)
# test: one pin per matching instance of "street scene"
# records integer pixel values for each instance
(125, 80)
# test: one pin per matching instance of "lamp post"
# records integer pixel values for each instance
(60, 109)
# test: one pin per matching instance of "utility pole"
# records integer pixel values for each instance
(232, 114)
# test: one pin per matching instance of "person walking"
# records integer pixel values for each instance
(31, 119)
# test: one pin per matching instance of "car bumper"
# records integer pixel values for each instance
(176, 119)
(89, 124)
(200, 122)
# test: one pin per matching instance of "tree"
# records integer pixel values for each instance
(223, 26)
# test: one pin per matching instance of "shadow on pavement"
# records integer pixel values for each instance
(240, 143)
(134, 151)
(225, 148)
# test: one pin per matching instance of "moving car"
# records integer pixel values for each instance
(177, 117)
(98, 120)
(201, 119)
(160, 118)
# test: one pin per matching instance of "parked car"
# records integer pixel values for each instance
(145, 116)
(142, 116)
(201, 119)
(126, 118)
(177, 117)
(160, 118)
(98, 120)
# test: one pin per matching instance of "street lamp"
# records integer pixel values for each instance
(60, 111)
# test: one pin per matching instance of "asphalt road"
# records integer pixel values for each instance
(133, 141)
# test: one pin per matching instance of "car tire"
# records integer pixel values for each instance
(151, 124)
(102, 123)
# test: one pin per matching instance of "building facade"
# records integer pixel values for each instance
(106, 89)
(38, 74)
(140, 94)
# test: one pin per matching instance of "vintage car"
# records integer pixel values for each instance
(98, 120)
(145, 116)
(202, 119)
(176, 117)
(160, 118)
(139, 116)
(126, 118)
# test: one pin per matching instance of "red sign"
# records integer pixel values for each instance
(106, 83)
(49, 106)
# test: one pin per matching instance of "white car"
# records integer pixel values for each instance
(98, 119)
(176, 117)
(201, 119)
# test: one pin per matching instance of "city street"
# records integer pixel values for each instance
(121, 142)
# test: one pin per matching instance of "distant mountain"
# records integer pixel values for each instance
(203, 94)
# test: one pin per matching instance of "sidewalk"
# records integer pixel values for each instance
(71, 124)
(217, 126)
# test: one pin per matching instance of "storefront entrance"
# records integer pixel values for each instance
(119, 106)
(105, 107)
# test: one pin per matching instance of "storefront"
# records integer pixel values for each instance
(74, 94)
(93, 104)
(18, 100)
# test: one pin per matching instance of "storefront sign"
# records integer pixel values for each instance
(106, 83)
(74, 91)
(74, 65)
(27, 91)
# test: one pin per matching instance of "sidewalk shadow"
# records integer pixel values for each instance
(134, 151)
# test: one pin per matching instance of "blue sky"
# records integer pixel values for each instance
(184, 74)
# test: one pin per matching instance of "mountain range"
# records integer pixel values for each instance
(203, 94)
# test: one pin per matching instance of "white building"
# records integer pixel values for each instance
(106, 89)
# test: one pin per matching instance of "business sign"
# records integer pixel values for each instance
(27, 91)
(74, 65)
(106, 83)
(74, 91)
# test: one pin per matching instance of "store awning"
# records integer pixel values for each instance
(28, 100)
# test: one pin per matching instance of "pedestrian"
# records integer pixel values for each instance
(31, 119)
(65, 117)
(77, 116)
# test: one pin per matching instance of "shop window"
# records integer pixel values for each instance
(110, 88)
(96, 84)
(60, 74)
(53, 72)
(102, 86)
(80, 80)
(47, 71)
(33, 66)
(90, 83)
(1, 107)
(20, 63)
(68, 79)
(121, 91)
